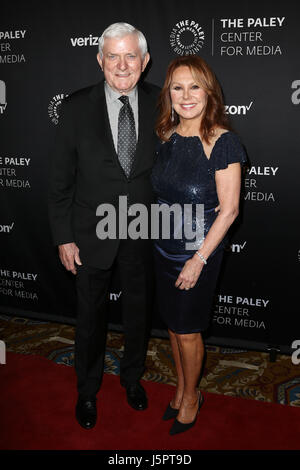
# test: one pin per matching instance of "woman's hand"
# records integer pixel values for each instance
(69, 256)
(190, 273)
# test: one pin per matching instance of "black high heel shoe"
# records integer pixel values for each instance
(178, 427)
(170, 413)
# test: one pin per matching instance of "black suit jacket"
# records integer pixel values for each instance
(85, 170)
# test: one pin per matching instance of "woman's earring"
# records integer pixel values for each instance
(172, 115)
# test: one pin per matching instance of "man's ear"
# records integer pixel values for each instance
(99, 61)
(145, 61)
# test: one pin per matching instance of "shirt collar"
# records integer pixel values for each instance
(113, 96)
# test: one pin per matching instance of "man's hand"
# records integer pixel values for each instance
(69, 255)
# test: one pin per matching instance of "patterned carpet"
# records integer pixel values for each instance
(239, 373)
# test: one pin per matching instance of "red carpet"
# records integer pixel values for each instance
(38, 397)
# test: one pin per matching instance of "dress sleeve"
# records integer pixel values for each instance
(228, 149)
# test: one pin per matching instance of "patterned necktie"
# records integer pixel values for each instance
(126, 136)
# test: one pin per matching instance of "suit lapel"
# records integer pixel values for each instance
(145, 112)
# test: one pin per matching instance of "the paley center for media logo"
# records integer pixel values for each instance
(54, 107)
(3, 102)
(187, 37)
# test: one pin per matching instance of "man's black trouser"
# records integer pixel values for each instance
(93, 285)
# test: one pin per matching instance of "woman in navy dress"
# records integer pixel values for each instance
(198, 162)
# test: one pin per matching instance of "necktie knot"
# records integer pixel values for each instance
(124, 99)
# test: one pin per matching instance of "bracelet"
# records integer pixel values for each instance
(201, 257)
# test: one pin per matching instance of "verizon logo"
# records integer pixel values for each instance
(238, 109)
(6, 228)
(114, 296)
(237, 247)
(87, 41)
(3, 102)
(2, 352)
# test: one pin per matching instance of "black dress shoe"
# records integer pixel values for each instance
(136, 396)
(178, 427)
(86, 412)
(170, 413)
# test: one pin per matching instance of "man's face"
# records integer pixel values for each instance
(122, 62)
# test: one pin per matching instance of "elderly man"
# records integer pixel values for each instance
(105, 149)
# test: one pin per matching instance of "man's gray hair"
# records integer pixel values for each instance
(119, 30)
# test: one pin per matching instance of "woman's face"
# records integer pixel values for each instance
(188, 98)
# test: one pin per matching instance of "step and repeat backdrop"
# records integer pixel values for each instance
(48, 51)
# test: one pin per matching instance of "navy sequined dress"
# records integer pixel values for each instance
(182, 174)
